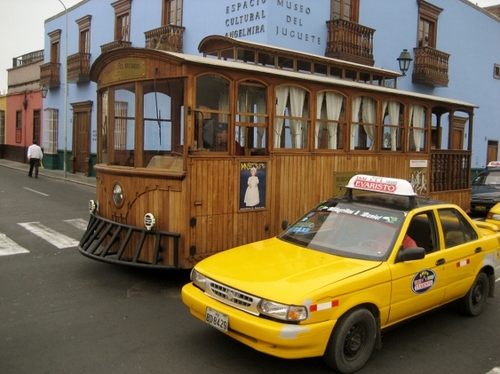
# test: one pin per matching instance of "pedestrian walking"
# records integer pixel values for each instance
(35, 156)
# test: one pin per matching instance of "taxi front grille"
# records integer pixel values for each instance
(233, 297)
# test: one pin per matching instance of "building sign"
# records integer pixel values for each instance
(245, 18)
(123, 69)
(295, 14)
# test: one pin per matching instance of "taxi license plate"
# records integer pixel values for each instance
(480, 207)
(217, 319)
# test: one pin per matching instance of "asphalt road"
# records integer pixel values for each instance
(63, 313)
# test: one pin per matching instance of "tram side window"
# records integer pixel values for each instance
(163, 130)
(418, 129)
(212, 124)
(292, 117)
(363, 128)
(251, 119)
(330, 121)
(122, 143)
(392, 125)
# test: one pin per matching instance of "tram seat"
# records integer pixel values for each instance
(165, 162)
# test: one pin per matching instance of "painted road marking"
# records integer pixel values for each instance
(79, 223)
(9, 246)
(35, 191)
(494, 371)
(51, 236)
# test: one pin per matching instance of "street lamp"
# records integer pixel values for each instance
(65, 89)
(44, 91)
(404, 61)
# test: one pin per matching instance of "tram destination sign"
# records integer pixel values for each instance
(123, 70)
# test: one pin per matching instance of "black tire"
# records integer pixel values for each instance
(474, 302)
(352, 341)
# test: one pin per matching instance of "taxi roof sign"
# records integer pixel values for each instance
(372, 183)
(493, 164)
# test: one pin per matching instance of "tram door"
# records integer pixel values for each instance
(81, 137)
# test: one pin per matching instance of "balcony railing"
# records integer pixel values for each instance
(115, 45)
(430, 67)
(165, 38)
(450, 170)
(79, 67)
(28, 58)
(50, 74)
(350, 41)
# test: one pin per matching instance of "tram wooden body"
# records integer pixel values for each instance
(166, 197)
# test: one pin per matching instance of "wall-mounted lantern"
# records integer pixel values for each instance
(404, 60)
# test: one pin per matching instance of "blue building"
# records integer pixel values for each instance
(451, 57)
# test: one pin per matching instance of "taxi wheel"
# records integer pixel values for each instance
(474, 302)
(352, 341)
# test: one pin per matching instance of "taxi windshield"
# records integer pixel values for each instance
(348, 230)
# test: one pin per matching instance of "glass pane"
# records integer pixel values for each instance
(124, 125)
(163, 130)
(212, 113)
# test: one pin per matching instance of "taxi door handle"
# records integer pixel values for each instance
(441, 261)
(478, 249)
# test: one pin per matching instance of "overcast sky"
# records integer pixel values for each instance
(22, 28)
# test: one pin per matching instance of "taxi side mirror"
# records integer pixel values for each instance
(410, 254)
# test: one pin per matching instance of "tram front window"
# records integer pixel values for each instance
(163, 133)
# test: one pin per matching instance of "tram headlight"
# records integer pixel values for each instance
(93, 206)
(117, 194)
(149, 221)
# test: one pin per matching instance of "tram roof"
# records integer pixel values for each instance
(106, 57)
(311, 77)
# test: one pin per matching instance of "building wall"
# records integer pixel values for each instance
(23, 95)
(464, 31)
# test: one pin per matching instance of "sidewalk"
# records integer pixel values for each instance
(57, 174)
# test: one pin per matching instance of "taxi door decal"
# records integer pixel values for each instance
(423, 281)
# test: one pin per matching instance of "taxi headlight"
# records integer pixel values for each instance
(290, 313)
(495, 216)
(198, 279)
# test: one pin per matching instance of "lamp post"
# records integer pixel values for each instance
(65, 89)
(404, 60)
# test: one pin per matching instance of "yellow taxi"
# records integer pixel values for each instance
(349, 268)
(493, 216)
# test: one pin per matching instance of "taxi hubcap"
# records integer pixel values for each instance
(354, 341)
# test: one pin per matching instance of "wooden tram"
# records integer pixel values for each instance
(182, 140)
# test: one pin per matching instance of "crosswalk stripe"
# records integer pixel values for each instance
(53, 237)
(9, 246)
(79, 223)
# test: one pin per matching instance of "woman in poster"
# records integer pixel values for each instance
(252, 193)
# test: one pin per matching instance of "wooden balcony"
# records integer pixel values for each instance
(350, 41)
(50, 74)
(115, 45)
(450, 170)
(165, 38)
(79, 67)
(430, 67)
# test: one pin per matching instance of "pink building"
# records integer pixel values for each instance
(24, 106)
